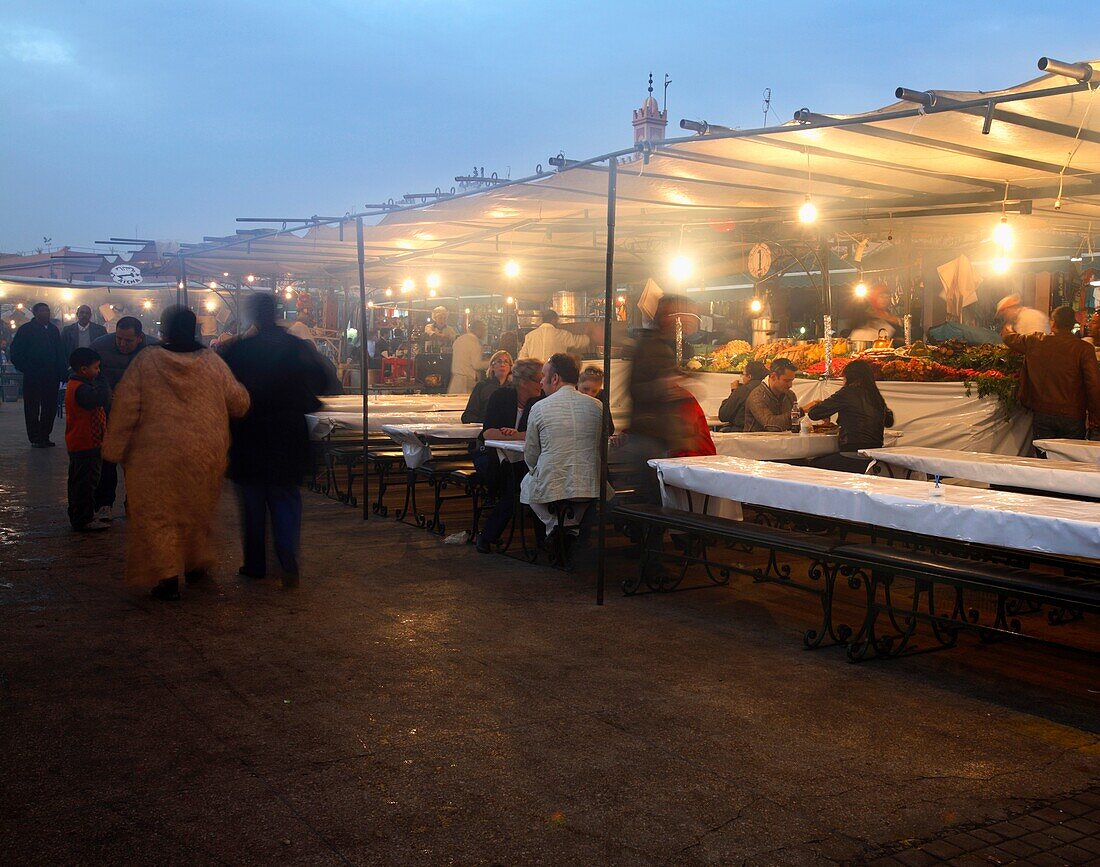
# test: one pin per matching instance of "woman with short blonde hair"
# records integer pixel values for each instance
(497, 375)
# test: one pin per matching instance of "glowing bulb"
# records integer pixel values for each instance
(1000, 265)
(509, 300)
(808, 212)
(211, 305)
(289, 294)
(802, 330)
(179, 285)
(389, 293)
(408, 286)
(511, 268)
(622, 299)
(756, 305)
(434, 281)
(251, 278)
(1002, 233)
(212, 284)
(225, 273)
(432, 293)
(67, 296)
(147, 304)
(861, 290)
(467, 311)
(19, 306)
(11, 322)
(680, 268)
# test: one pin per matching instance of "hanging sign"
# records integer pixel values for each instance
(126, 275)
(760, 260)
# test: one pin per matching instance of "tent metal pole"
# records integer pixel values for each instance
(363, 372)
(183, 279)
(608, 307)
(826, 283)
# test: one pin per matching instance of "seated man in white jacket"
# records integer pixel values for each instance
(562, 448)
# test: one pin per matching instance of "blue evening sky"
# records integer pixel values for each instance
(168, 120)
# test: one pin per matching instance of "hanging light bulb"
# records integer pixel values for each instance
(1000, 265)
(432, 293)
(225, 273)
(808, 212)
(67, 296)
(509, 300)
(389, 293)
(467, 311)
(211, 305)
(251, 278)
(680, 268)
(212, 284)
(179, 285)
(434, 281)
(861, 290)
(1003, 234)
(146, 304)
(511, 269)
(756, 305)
(409, 285)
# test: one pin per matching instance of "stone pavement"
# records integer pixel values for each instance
(415, 703)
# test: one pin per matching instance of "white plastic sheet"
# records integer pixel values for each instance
(1018, 521)
(1084, 451)
(763, 446)
(931, 414)
(413, 438)
(1062, 477)
(395, 403)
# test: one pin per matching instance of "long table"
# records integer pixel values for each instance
(1062, 477)
(1001, 519)
(324, 423)
(1082, 451)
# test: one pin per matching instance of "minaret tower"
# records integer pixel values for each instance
(649, 120)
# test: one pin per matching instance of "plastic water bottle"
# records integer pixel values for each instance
(805, 426)
(795, 413)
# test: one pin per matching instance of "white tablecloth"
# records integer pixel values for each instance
(509, 450)
(1083, 451)
(395, 403)
(413, 438)
(323, 423)
(933, 414)
(775, 446)
(1062, 477)
(1009, 520)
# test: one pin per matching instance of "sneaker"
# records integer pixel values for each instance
(103, 515)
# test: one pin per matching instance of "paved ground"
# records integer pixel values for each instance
(420, 703)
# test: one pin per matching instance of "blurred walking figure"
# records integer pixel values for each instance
(86, 399)
(169, 428)
(38, 353)
(270, 448)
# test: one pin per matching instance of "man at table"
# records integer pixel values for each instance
(732, 410)
(506, 418)
(1060, 382)
(769, 406)
(562, 449)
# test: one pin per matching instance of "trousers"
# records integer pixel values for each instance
(507, 491)
(284, 504)
(83, 478)
(39, 406)
(108, 484)
(1046, 426)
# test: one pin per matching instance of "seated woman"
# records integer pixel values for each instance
(499, 373)
(862, 415)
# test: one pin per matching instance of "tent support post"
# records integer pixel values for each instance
(608, 307)
(363, 372)
(182, 299)
(826, 283)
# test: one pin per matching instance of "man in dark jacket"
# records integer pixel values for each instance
(83, 332)
(1060, 382)
(732, 411)
(116, 351)
(270, 448)
(38, 353)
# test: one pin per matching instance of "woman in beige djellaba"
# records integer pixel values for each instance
(169, 428)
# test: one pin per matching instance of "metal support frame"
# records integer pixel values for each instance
(608, 306)
(363, 355)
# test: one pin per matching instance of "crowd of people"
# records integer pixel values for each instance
(179, 417)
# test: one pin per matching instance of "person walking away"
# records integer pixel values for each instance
(1020, 319)
(83, 332)
(169, 429)
(467, 354)
(769, 406)
(38, 353)
(862, 415)
(117, 351)
(498, 375)
(732, 410)
(270, 445)
(86, 399)
(1060, 383)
